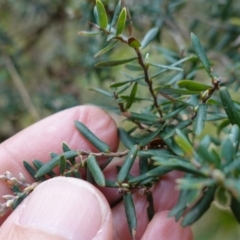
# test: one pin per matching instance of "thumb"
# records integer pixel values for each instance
(60, 208)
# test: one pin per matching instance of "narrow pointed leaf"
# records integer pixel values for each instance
(227, 150)
(199, 208)
(38, 164)
(20, 198)
(143, 165)
(193, 86)
(127, 165)
(92, 138)
(106, 49)
(150, 208)
(132, 96)
(200, 119)
(130, 213)
(235, 137)
(183, 142)
(116, 13)
(229, 106)
(77, 174)
(125, 138)
(102, 15)
(62, 164)
(99, 90)
(114, 63)
(172, 91)
(166, 67)
(95, 170)
(30, 169)
(201, 53)
(49, 166)
(121, 21)
(150, 137)
(151, 34)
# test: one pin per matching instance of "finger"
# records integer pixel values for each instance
(163, 228)
(61, 208)
(38, 140)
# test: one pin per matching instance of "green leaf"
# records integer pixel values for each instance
(143, 165)
(106, 49)
(183, 142)
(114, 63)
(99, 90)
(133, 67)
(172, 91)
(49, 166)
(125, 138)
(118, 84)
(132, 96)
(134, 43)
(143, 117)
(62, 164)
(166, 67)
(199, 208)
(151, 34)
(193, 86)
(227, 150)
(130, 213)
(102, 15)
(200, 119)
(149, 137)
(19, 199)
(180, 126)
(201, 53)
(88, 34)
(116, 13)
(121, 21)
(235, 137)
(92, 138)
(30, 169)
(229, 106)
(95, 170)
(127, 165)
(155, 172)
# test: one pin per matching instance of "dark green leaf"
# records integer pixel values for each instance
(121, 21)
(235, 137)
(102, 15)
(143, 117)
(132, 96)
(125, 138)
(150, 208)
(200, 119)
(77, 174)
(106, 49)
(114, 63)
(96, 142)
(20, 198)
(150, 137)
(30, 169)
(49, 166)
(62, 164)
(229, 106)
(143, 165)
(193, 86)
(152, 152)
(174, 112)
(155, 172)
(200, 207)
(235, 207)
(130, 213)
(38, 164)
(201, 53)
(227, 150)
(171, 91)
(127, 165)
(95, 170)
(151, 34)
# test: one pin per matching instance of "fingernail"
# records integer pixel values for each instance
(65, 207)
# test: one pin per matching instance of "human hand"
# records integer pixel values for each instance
(69, 208)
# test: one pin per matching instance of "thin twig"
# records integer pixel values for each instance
(21, 88)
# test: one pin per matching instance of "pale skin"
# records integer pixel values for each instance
(68, 208)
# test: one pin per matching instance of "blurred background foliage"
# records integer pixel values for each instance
(45, 66)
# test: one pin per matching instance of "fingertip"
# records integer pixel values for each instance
(162, 227)
(61, 208)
